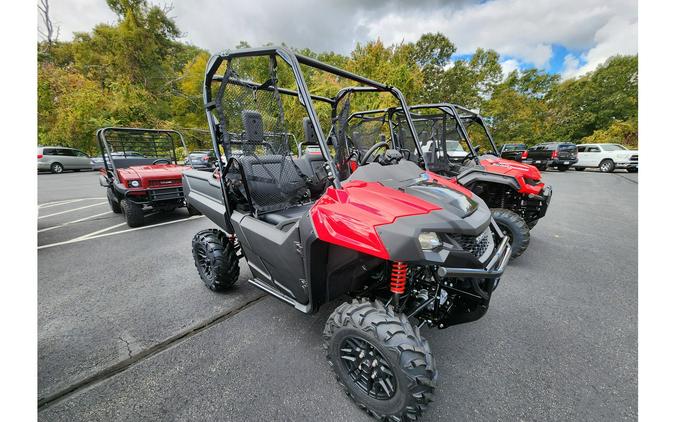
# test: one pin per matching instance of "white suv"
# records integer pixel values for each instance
(606, 157)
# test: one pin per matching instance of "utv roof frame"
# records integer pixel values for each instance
(294, 60)
(446, 108)
(103, 144)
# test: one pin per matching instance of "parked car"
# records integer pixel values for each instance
(97, 162)
(201, 160)
(512, 151)
(454, 150)
(560, 155)
(606, 157)
(58, 159)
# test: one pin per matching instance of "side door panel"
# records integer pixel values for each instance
(594, 156)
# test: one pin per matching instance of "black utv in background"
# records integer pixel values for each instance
(512, 151)
(559, 155)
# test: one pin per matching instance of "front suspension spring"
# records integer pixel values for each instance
(398, 277)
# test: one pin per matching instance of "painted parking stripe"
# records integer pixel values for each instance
(82, 239)
(93, 234)
(84, 236)
(46, 229)
(71, 210)
(67, 201)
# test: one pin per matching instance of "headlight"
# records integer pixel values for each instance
(429, 240)
(134, 183)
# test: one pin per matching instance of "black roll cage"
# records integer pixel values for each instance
(446, 109)
(294, 61)
(106, 153)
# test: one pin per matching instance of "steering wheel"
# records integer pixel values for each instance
(371, 150)
(470, 155)
(161, 161)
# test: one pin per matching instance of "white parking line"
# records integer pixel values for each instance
(67, 201)
(90, 236)
(71, 210)
(46, 229)
(108, 228)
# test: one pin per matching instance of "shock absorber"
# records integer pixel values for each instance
(398, 279)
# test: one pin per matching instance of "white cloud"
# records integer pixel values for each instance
(523, 30)
(509, 66)
(618, 36)
(570, 66)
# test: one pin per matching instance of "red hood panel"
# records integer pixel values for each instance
(510, 167)
(150, 174)
(348, 216)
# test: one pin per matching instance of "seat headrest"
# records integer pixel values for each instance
(310, 134)
(253, 126)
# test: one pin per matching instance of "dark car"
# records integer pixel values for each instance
(512, 151)
(560, 155)
(201, 160)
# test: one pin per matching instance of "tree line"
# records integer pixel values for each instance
(137, 73)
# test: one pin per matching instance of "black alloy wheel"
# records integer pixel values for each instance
(368, 368)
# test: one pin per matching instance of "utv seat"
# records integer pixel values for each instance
(312, 163)
(284, 219)
(274, 182)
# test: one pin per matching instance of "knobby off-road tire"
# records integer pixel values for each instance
(216, 259)
(133, 213)
(515, 228)
(56, 168)
(114, 205)
(406, 362)
(532, 223)
(607, 166)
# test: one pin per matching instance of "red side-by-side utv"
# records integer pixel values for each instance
(409, 247)
(452, 138)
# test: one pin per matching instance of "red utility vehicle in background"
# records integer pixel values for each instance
(514, 191)
(153, 181)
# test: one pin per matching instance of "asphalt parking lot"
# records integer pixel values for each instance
(127, 331)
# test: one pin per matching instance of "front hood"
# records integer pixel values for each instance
(509, 167)
(156, 175)
(169, 171)
(402, 198)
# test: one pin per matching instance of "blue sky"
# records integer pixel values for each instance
(570, 37)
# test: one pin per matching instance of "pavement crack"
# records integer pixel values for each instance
(127, 343)
(106, 373)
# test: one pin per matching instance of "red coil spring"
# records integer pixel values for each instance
(398, 276)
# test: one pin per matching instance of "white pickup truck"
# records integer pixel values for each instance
(606, 157)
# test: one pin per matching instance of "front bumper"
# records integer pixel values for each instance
(552, 163)
(150, 196)
(626, 164)
(493, 269)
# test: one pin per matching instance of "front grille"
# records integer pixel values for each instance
(165, 194)
(634, 157)
(476, 245)
(165, 182)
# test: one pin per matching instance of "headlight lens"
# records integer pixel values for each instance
(429, 240)
(134, 183)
